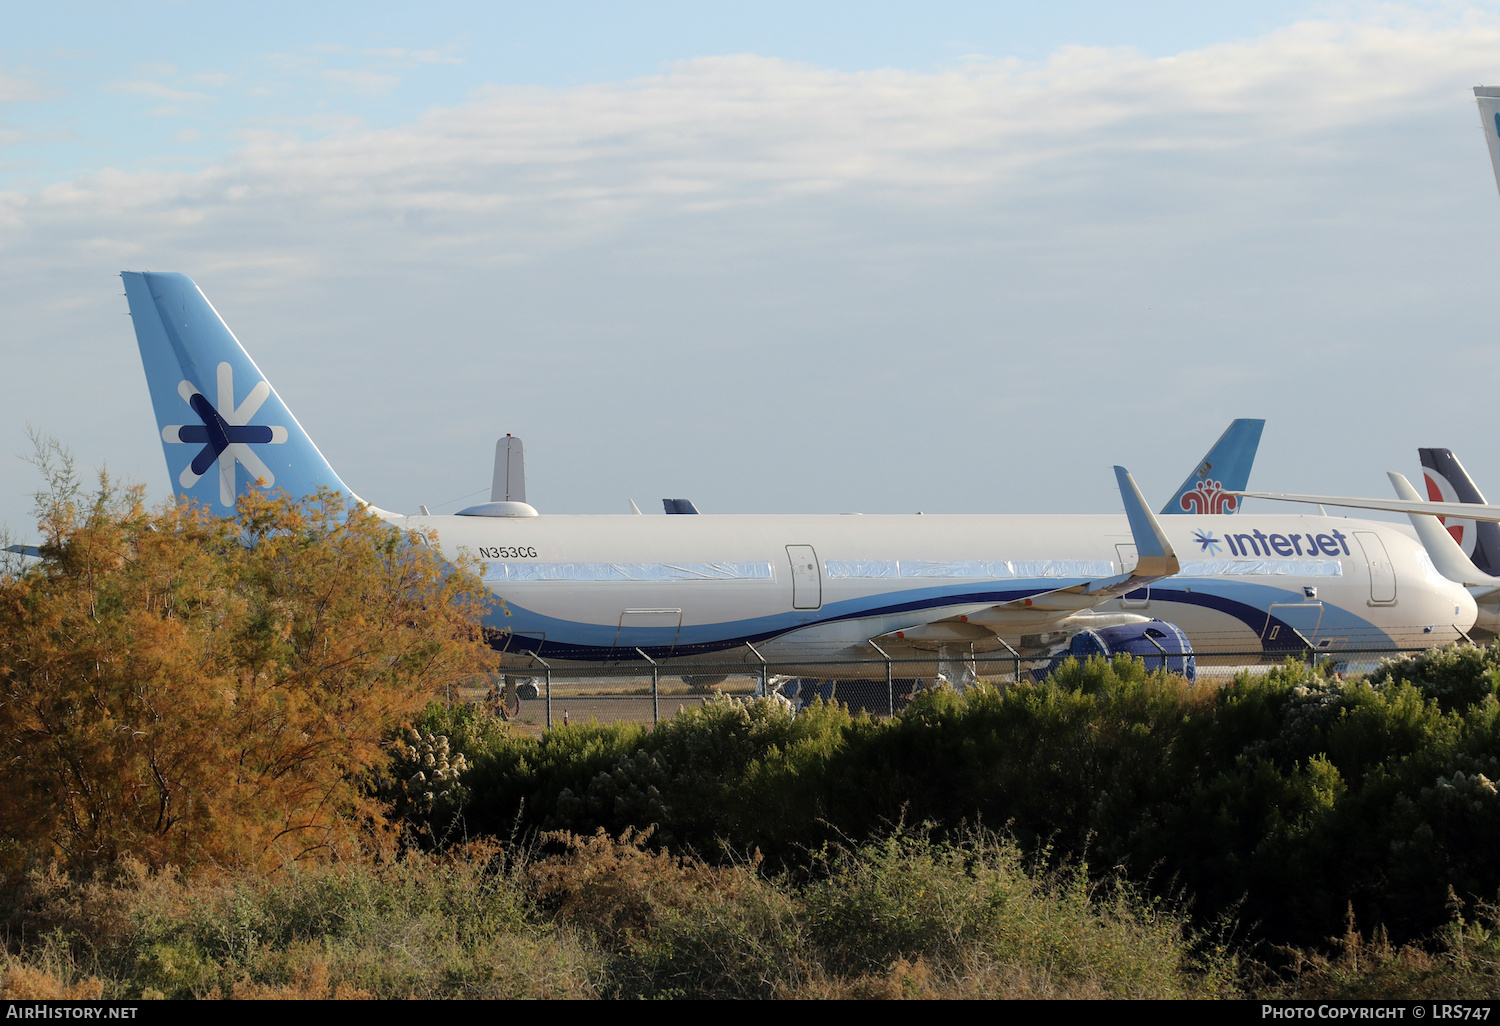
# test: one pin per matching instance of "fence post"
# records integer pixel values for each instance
(1016, 676)
(548, 667)
(890, 684)
(655, 685)
(1163, 652)
(1312, 653)
(763, 682)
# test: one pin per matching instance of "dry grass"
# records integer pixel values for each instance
(593, 916)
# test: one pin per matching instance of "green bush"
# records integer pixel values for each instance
(1282, 800)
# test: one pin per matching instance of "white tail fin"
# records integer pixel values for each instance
(509, 482)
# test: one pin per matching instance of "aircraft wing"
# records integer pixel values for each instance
(1155, 560)
(1464, 510)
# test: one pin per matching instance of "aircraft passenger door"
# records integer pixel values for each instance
(1382, 570)
(807, 579)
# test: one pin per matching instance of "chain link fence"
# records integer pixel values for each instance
(646, 692)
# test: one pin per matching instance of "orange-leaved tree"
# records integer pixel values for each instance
(193, 690)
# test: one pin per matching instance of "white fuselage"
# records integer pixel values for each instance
(696, 589)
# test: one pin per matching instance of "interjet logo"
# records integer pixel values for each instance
(226, 437)
(1208, 496)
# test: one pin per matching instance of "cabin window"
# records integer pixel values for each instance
(627, 572)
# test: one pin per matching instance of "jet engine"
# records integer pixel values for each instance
(1160, 644)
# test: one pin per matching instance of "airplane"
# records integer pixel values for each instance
(1476, 541)
(803, 592)
(1448, 481)
(1463, 549)
(1446, 556)
(1161, 644)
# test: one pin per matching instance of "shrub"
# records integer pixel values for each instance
(1455, 677)
(189, 689)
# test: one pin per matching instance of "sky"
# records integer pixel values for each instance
(773, 258)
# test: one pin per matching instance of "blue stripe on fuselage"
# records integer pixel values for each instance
(1252, 608)
(1243, 601)
(592, 641)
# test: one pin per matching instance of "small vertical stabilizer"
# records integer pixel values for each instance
(509, 483)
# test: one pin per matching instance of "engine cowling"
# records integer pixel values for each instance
(1159, 643)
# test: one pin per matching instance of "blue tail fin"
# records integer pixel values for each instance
(1448, 481)
(223, 428)
(1488, 98)
(1226, 468)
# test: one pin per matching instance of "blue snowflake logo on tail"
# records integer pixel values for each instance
(1206, 541)
(226, 437)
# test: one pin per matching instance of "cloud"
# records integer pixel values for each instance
(553, 167)
(14, 89)
(736, 130)
(401, 54)
(956, 270)
(371, 83)
(157, 90)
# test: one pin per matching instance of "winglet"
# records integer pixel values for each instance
(1443, 550)
(1155, 557)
